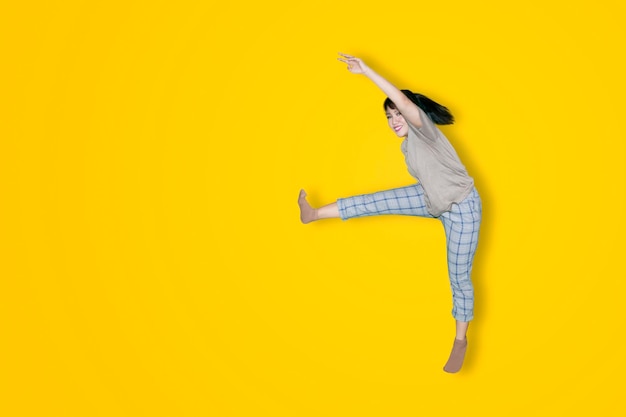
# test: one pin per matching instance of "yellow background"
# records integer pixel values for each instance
(151, 256)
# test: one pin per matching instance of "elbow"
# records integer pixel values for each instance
(404, 103)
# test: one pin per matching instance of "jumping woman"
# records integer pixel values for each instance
(443, 191)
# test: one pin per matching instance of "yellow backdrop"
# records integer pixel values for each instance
(152, 262)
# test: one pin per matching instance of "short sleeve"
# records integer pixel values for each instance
(428, 129)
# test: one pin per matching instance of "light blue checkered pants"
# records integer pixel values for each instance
(461, 224)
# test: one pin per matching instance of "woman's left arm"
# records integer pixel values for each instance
(407, 108)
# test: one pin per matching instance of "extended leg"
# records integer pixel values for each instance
(408, 201)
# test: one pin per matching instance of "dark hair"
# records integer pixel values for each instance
(436, 112)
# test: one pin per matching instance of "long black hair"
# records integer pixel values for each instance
(436, 112)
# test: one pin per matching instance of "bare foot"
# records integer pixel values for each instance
(307, 213)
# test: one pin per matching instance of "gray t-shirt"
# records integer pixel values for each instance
(432, 160)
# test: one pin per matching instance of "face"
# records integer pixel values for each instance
(397, 122)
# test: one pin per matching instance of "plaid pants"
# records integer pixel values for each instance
(461, 224)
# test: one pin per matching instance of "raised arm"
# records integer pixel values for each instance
(407, 108)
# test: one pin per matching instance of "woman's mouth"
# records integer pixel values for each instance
(397, 128)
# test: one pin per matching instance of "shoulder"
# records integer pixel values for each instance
(427, 130)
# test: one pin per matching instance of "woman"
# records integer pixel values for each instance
(444, 191)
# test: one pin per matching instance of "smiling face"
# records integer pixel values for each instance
(396, 122)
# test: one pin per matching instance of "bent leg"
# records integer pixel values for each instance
(407, 201)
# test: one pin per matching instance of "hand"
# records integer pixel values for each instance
(355, 65)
